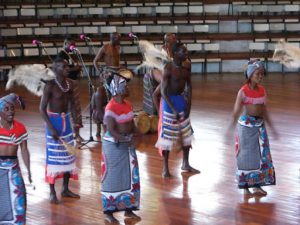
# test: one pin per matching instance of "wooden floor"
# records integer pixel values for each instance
(211, 197)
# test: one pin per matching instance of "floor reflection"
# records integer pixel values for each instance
(254, 211)
(182, 203)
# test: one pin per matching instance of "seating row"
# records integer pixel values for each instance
(72, 11)
(95, 31)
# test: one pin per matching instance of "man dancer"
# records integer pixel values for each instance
(152, 81)
(110, 54)
(56, 101)
(74, 73)
(176, 129)
(12, 135)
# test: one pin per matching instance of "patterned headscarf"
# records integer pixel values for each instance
(252, 66)
(117, 85)
(12, 98)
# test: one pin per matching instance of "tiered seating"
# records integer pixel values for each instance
(208, 27)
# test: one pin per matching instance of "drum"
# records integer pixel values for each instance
(154, 123)
(107, 71)
(127, 74)
(142, 122)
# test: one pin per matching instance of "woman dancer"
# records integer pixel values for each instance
(254, 161)
(120, 182)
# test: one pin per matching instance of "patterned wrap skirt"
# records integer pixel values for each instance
(254, 161)
(12, 193)
(120, 180)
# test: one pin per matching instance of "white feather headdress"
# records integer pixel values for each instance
(153, 57)
(33, 77)
(287, 54)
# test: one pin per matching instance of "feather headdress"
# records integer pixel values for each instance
(153, 57)
(287, 54)
(33, 77)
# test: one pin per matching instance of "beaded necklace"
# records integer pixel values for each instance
(61, 87)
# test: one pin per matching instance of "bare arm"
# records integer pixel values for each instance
(189, 94)
(164, 86)
(269, 122)
(43, 109)
(99, 101)
(112, 128)
(237, 109)
(98, 57)
(26, 158)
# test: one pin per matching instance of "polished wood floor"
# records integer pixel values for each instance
(210, 197)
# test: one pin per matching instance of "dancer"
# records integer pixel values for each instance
(12, 135)
(169, 40)
(110, 54)
(56, 101)
(175, 124)
(254, 161)
(74, 74)
(155, 79)
(120, 182)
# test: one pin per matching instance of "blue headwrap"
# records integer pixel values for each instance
(11, 99)
(252, 66)
(117, 85)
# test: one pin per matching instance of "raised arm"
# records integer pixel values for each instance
(26, 158)
(43, 109)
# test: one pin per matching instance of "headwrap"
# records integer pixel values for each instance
(252, 66)
(117, 85)
(12, 98)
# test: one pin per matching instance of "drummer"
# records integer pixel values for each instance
(110, 54)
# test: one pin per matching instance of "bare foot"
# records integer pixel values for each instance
(166, 174)
(259, 191)
(53, 199)
(79, 139)
(247, 191)
(69, 194)
(130, 214)
(111, 219)
(189, 169)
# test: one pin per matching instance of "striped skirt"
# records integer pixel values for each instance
(59, 160)
(173, 134)
(254, 161)
(120, 180)
(149, 87)
(12, 193)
